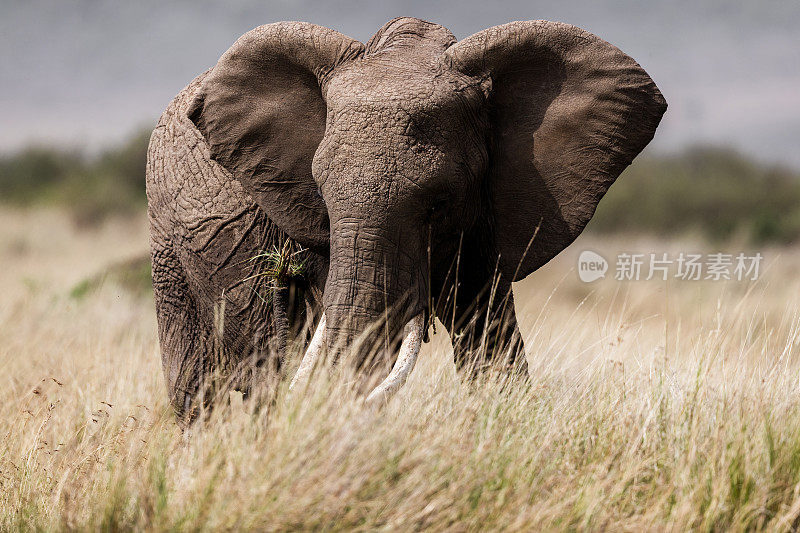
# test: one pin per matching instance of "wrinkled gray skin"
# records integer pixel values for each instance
(399, 166)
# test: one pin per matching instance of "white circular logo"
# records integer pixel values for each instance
(591, 266)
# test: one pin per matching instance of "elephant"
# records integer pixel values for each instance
(371, 188)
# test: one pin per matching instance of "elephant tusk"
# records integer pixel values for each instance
(406, 359)
(314, 350)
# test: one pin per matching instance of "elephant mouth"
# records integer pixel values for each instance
(406, 359)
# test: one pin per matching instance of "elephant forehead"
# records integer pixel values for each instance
(366, 151)
(395, 133)
(374, 162)
(382, 85)
(397, 121)
(400, 130)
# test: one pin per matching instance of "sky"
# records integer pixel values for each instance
(88, 73)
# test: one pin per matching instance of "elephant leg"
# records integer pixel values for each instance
(485, 334)
(187, 342)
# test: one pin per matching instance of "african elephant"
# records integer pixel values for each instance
(409, 178)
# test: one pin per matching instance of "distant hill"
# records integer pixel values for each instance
(92, 187)
(714, 192)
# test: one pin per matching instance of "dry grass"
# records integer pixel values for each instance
(651, 406)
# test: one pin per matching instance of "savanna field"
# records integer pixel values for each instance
(651, 405)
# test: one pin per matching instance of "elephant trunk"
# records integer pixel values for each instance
(375, 286)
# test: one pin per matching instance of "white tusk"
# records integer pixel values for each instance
(312, 354)
(406, 359)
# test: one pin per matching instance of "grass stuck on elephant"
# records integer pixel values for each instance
(281, 263)
(650, 406)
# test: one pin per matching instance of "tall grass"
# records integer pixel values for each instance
(650, 406)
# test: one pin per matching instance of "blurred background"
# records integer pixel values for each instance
(85, 81)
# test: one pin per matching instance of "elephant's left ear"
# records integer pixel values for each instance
(568, 113)
(262, 110)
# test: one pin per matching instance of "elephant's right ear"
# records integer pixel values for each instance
(262, 110)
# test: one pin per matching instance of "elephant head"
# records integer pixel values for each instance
(386, 157)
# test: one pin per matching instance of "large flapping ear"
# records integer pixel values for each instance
(568, 113)
(262, 110)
